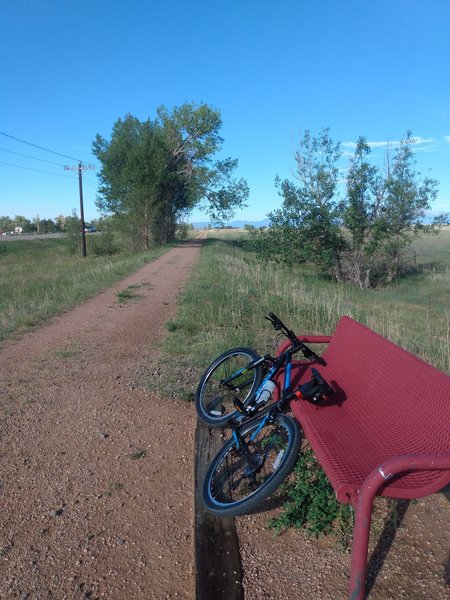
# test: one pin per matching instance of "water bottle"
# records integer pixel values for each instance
(266, 392)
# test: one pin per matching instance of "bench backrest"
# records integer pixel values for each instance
(389, 403)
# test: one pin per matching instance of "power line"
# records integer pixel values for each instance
(91, 184)
(36, 146)
(36, 170)
(51, 162)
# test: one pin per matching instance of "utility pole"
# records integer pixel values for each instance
(81, 168)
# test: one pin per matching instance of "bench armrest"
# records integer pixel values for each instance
(401, 464)
(315, 339)
(306, 339)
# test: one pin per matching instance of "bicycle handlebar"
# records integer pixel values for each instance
(280, 326)
(297, 344)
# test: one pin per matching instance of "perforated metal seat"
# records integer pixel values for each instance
(385, 431)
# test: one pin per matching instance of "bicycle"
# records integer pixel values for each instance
(235, 390)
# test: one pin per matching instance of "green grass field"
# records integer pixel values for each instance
(230, 291)
(223, 306)
(40, 278)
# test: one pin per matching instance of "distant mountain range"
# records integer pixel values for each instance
(236, 224)
(265, 222)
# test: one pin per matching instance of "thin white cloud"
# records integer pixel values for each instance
(420, 144)
(421, 140)
(392, 144)
(352, 145)
(447, 137)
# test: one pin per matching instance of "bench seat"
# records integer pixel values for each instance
(387, 403)
(385, 430)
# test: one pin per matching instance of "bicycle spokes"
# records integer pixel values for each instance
(250, 464)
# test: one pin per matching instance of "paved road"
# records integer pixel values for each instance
(30, 236)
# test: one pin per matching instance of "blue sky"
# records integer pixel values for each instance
(69, 70)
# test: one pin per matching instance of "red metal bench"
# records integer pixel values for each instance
(385, 431)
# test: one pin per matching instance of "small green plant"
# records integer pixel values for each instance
(274, 441)
(127, 295)
(172, 326)
(65, 353)
(114, 486)
(138, 454)
(311, 501)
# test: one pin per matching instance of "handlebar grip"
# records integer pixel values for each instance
(280, 326)
(276, 321)
(318, 376)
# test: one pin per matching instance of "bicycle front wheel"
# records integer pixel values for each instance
(224, 380)
(238, 480)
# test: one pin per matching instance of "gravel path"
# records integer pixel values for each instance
(96, 474)
(410, 563)
(96, 481)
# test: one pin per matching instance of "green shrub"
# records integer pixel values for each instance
(104, 244)
(311, 501)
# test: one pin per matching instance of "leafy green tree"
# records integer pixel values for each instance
(25, 224)
(364, 199)
(406, 198)
(362, 237)
(6, 224)
(383, 213)
(157, 170)
(72, 231)
(47, 226)
(307, 227)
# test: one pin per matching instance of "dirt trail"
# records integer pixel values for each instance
(96, 474)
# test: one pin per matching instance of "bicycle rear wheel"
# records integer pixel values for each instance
(236, 482)
(215, 395)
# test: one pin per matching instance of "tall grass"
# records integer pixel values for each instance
(223, 306)
(230, 291)
(40, 278)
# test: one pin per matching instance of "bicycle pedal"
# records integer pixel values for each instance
(239, 406)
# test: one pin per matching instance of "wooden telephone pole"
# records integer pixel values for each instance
(80, 167)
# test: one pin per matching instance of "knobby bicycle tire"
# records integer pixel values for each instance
(233, 485)
(213, 400)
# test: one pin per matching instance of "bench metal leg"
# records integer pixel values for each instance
(368, 491)
(360, 547)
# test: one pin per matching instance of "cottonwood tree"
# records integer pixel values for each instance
(307, 226)
(365, 192)
(362, 236)
(406, 198)
(157, 170)
(6, 224)
(384, 211)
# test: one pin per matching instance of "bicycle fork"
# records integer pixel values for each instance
(254, 461)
